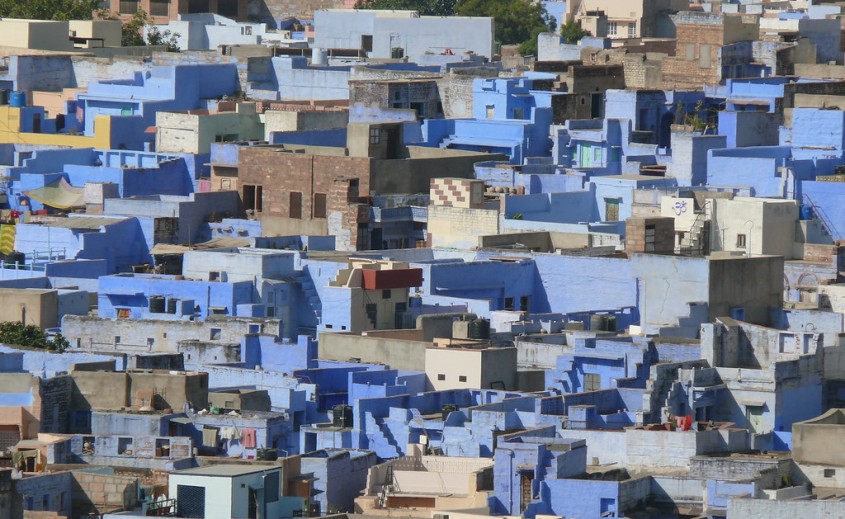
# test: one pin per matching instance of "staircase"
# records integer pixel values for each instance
(820, 215)
(697, 239)
(394, 451)
(311, 295)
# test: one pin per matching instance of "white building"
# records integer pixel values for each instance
(232, 491)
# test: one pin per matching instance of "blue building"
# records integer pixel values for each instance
(508, 117)
(164, 88)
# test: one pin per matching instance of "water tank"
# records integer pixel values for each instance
(17, 99)
(171, 306)
(4, 96)
(342, 416)
(318, 56)
(156, 304)
(267, 454)
(446, 409)
(479, 329)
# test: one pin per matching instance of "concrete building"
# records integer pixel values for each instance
(456, 364)
(230, 490)
(640, 19)
(323, 188)
(710, 48)
(194, 131)
(427, 483)
(397, 34)
(163, 11)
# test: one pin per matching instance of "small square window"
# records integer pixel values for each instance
(385, 294)
(117, 339)
(740, 240)
(375, 135)
(829, 473)
(462, 378)
(215, 334)
(441, 376)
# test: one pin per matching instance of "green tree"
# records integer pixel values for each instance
(517, 21)
(49, 9)
(572, 32)
(30, 336)
(424, 7)
(133, 33)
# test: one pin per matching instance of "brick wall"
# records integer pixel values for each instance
(650, 235)
(100, 493)
(457, 192)
(282, 173)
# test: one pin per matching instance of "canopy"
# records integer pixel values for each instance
(58, 194)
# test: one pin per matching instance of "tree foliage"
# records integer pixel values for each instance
(133, 33)
(31, 336)
(49, 9)
(517, 21)
(572, 32)
(424, 7)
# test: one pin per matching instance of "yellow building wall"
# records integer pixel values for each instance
(10, 133)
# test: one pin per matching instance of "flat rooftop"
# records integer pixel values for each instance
(223, 470)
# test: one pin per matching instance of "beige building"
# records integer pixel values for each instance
(304, 118)
(467, 364)
(631, 18)
(817, 449)
(194, 131)
(89, 34)
(754, 226)
(30, 306)
(35, 34)
(417, 485)
(458, 214)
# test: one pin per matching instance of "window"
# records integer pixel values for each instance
(197, 6)
(228, 8)
(612, 28)
(375, 135)
(128, 6)
(518, 113)
(150, 342)
(214, 334)
(295, 205)
(367, 42)
(254, 328)
(592, 381)
(117, 339)
(632, 29)
(214, 276)
(829, 473)
(385, 294)
(704, 56)
(441, 376)
(45, 502)
(160, 7)
(740, 241)
(491, 111)
(271, 487)
(319, 208)
(523, 304)
(462, 378)
(690, 51)
(124, 446)
(252, 197)
(650, 233)
(190, 501)
(372, 313)
(225, 184)
(611, 209)
(123, 313)
(509, 303)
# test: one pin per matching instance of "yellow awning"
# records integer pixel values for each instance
(58, 194)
